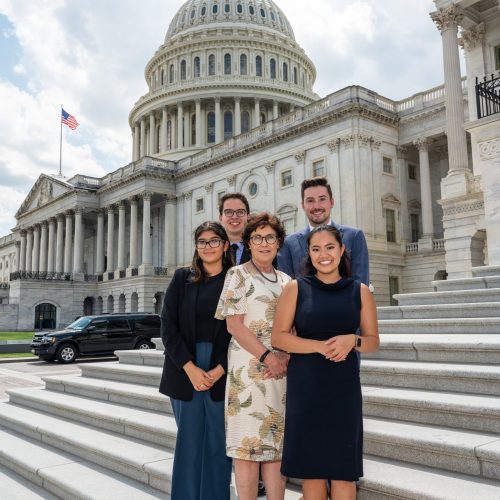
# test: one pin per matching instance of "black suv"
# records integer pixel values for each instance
(97, 335)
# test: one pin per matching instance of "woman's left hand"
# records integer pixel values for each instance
(216, 373)
(283, 357)
(341, 346)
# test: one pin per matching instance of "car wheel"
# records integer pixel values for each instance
(144, 344)
(66, 353)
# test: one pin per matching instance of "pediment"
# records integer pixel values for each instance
(390, 198)
(45, 189)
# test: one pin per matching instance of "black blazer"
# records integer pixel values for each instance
(178, 332)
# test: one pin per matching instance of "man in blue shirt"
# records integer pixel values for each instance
(317, 203)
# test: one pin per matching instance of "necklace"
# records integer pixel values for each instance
(263, 275)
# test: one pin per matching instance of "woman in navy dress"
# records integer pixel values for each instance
(323, 424)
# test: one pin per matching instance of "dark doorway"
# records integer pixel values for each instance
(45, 316)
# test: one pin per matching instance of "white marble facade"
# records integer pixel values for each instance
(230, 107)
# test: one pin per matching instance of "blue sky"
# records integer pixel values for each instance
(91, 55)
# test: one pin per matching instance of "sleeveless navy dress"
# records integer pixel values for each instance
(324, 424)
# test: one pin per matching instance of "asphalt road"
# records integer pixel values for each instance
(19, 374)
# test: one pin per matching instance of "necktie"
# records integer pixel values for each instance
(234, 250)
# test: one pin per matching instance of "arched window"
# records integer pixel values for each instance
(211, 65)
(262, 12)
(239, 8)
(183, 69)
(215, 8)
(228, 125)
(272, 68)
(295, 76)
(285, 72)
(211, 127)
(162, 77)
(193, 13)
(227, 8)
(134, 302)
(121, 303)
(227, 64)
(196, 67)
(171, 74)
(110, 304)
(245, 121)
(243, 64)
(45, 316)
(193, 130)
(258, 66)
(262, 118)
(203, 10)
(251, 10)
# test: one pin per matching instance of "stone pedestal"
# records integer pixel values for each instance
(425, 244)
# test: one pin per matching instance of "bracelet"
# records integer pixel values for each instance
(264, 355)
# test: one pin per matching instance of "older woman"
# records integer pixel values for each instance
(255, 389)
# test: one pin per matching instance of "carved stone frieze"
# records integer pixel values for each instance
(347, 141)
(300, 156)
(463, 208)
(448, 17)
(334, 144)
(231, 180)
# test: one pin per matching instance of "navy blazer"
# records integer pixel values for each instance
(292, 254)
(178, 332)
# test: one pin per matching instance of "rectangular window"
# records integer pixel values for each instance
(415, 227)
(200, 205)
(412, 172)
(393, 289)
(387, 165)
(220, 194)
(390, 225)
(286, 178)
(318, 168)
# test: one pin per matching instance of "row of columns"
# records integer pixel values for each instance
(7, 265)
(145, 136)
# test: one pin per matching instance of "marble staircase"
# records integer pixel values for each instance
(431, 412)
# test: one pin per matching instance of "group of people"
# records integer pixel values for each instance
(262, 336)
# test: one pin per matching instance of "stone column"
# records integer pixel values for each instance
(133, 232)
(447, 20)
(110, 268)
(256, 113)
(198, 123)
(79, 237)
(18, 256)
(137, 139)
(99, 267)
(122, 259)
(152, 134)
(52, 245)
(147, 262)
(21, 263)
(173, 131)
(187, 127)
(143, 138)
(218, 121)
(275, 110)
(43, 248)
(403, 188)
(180, 126)
(169, 259)
(425, 187)
(68, 243)
(163, 133)
(29, 250)
(237, 116)
(60, 244)
(35, 262)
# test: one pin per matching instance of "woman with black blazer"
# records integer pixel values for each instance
(194, 371)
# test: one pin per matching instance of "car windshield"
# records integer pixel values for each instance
(79, 324)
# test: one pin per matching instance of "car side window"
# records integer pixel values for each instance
(99, 325)
(118, 324)
(145, 324)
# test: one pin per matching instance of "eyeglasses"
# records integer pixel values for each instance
(229, 212)
(200, 244)
(257, 239)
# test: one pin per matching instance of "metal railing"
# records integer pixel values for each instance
(40, 275)
(488, 96)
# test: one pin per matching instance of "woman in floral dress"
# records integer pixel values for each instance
(255, 388)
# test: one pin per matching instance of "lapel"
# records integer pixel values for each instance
(303, 241)
(191, 290)
(245, 256)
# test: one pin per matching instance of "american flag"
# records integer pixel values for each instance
(68, 119)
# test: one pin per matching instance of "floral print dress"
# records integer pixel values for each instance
(254, 408)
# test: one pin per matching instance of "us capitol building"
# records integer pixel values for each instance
(230, 107)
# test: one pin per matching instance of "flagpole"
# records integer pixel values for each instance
(60, 143)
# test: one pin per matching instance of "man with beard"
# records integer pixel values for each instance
(317, 203)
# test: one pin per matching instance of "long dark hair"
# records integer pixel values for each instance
(200, 275)
(345, 260)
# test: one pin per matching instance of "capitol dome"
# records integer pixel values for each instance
(264, 13)
(225, 67)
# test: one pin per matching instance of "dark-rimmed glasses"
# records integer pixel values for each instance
(257, 239)
(229, 212)
(201, 244)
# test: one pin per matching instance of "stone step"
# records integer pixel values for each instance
(387, 479)
(479, 349)
(146, 425)
(452, 377)
(462, 326)
(432, 311)
(58, 474)
(455, 410)
(138, 396)
(466, 452)
(145, 357)
(15, 487)
(449, 297)
(467, 283)
(139, 461)
(135, 374)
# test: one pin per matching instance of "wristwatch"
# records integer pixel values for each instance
(357, 343)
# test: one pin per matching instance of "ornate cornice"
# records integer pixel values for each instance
(472, 37)
(422, 143)
(448, 17)
(347, 141)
